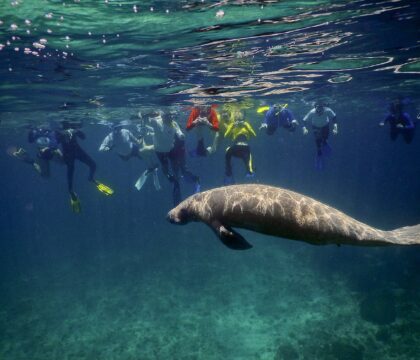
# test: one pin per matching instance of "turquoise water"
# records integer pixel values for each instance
(118, 281)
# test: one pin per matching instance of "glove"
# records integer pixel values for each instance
(381, 123)
(263, 126)
(305, 130)
(295, 123)
(335, 129)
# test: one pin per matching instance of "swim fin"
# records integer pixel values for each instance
(156, 182)
(142, 180)
(197, 187)
(75, 203)
(104, 188)
(262, 109)
(319, 163)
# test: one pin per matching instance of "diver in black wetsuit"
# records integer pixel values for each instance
(72, 151)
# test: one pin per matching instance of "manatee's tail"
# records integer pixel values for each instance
(408, 235)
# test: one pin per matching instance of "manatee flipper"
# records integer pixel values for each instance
(230, 237)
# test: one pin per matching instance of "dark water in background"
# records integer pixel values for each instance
(119, 282)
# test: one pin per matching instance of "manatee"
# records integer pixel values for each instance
(283, 213)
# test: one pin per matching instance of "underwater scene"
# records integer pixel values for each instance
(202, 179)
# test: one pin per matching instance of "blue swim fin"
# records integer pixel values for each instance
(319, 163)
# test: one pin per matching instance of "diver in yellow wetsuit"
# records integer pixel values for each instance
(239, 131)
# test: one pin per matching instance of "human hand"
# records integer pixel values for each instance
(295, 122)
(381, 123)
(400, 126)
(263, 126)
(305, 130)
(335, 129)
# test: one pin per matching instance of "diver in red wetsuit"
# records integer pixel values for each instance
(202, 117)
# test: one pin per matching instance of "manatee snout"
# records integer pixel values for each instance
(177, 216)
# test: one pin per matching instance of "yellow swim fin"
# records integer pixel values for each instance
(104, 188)
(262, 109)
(75, 203)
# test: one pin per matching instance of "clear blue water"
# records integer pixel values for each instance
(118, 281)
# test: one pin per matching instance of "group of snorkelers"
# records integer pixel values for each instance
(159, 140)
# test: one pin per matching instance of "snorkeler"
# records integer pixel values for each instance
(320, 117)
(239, 131)
(400, 122)
(277, 116)
(120, 138)
(169, 145)
(202, 117)
(72, 151)
(47, 144)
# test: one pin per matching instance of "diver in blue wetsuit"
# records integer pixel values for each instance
(278, 116)
(46, 141)
(320, 118)
(400, 122)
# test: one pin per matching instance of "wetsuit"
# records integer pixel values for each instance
(240, 133)
(72, 151)
(276, 117)
(210, 114)
(407, 129)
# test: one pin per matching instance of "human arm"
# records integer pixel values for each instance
(333, 117)
(291, 121)
(387, 119)
(128, 137)
(249, 128)
(178, 132)
(408, 122)
(214, 120)
(229, 129)
(305, 119)
(107, 143)
(267, 116)
(191, 122)
(32, 135)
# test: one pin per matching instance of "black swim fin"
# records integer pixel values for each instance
(230, 237)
